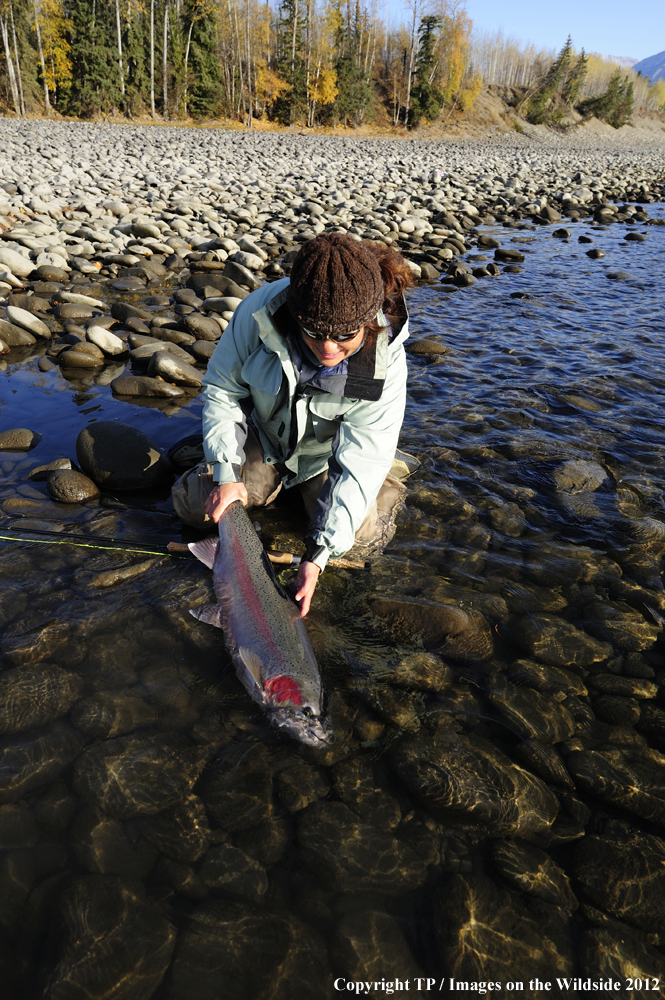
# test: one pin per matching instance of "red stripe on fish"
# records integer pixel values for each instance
(283, 688)
(248, 589)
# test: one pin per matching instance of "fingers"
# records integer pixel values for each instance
(306, 581)
(222, 497)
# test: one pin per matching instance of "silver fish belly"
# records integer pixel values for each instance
(263, 629)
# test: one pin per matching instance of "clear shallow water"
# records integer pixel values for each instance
(495, 684)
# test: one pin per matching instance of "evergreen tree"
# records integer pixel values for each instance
(95, 77)
(135, 53)
(354, 88)
(552, 84)
(206, 91)
(575, 82)
(615, 105)
(426, 99)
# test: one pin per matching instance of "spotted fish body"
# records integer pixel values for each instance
(263, 628)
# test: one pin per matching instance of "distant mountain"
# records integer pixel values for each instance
(652, 66)
(626, 62)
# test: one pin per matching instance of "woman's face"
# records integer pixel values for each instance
(329, 352)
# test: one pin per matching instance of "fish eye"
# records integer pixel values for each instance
(307, 711)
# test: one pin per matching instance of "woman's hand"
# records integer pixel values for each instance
(223, 496)
(306, 581)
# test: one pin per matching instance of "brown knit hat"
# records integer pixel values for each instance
(336, 285)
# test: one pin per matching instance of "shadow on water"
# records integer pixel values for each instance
(493, 806)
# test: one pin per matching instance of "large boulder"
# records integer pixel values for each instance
(120, 457)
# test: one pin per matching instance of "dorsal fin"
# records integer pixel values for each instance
(205, 550)
(252, 664)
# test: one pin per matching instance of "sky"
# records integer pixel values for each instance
(610, 27)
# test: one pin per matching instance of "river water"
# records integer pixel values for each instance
(492, 809)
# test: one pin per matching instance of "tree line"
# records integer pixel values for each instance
(308, 62)
(297, 61)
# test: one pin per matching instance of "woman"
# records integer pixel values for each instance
(307, 388)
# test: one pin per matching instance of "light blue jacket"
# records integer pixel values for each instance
(354, 438)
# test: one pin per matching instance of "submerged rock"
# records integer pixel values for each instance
(619, 954)
(118, 456)
(631, 778)
(354, 856)
(137, 775)
(533, 871)
(142, 385)
(370, 946)
(460, 778)
(624, 874)
(112, 713)
(102, 845)
(227, 868)
(532, 714)
(29, 761)
(237, 788)
(454, 632)
(486, 933)
(115, 941)
(34, 695)
(557, 642)
(217, 949)
(183, 833)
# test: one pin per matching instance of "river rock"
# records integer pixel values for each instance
(141, 385)
(105, 340)
(559, 643)
(69, 486)
(531, 713)
(116, 942)
(300, 784)
(15, 336)
(118, 456)
(144, 353)
(631, 778)
(137, 775)
(34, 695)
(202, 350)
(172, 369)
(18, 264)
(80, 359)
(546, 678)
(370, 946)
(466, 779)
(240, 274)
(618, 953)
(350, 855)
(202, 327)
(101, 845)
(457, 633)
(30, 761)
(505, 255)
(106, 714)
(222, 283)
(624, 874)
(421, 672)
(579, 475)
(19, 439)
(484, 933)
(229, 869)
(183, 833)
(218, 946)
(426, 348)
(122, 311)
(532, 871)
(29, 322)
(237, 788)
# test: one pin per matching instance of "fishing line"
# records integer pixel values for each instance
(118, 546)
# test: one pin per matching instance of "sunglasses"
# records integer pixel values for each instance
(337, 338)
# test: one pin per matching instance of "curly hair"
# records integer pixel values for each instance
(397, 277)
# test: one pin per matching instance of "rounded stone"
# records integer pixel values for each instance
(143, 385)
(69, 486)
(18, 439)
(118, 456)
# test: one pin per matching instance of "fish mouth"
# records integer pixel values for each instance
(308, 729)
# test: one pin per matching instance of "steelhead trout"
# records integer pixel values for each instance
(263, 628)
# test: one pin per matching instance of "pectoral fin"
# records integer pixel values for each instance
(205, 550)
(253, 665)
(208, 613)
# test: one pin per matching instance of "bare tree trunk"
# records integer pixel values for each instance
(165, 95)
(189, 42)
(242, 81)
(152, 58)
(18, 64)
(47, 103)
(293, 41)
(412, 59)
(119, 30)
(10, 65)
(249, 67)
